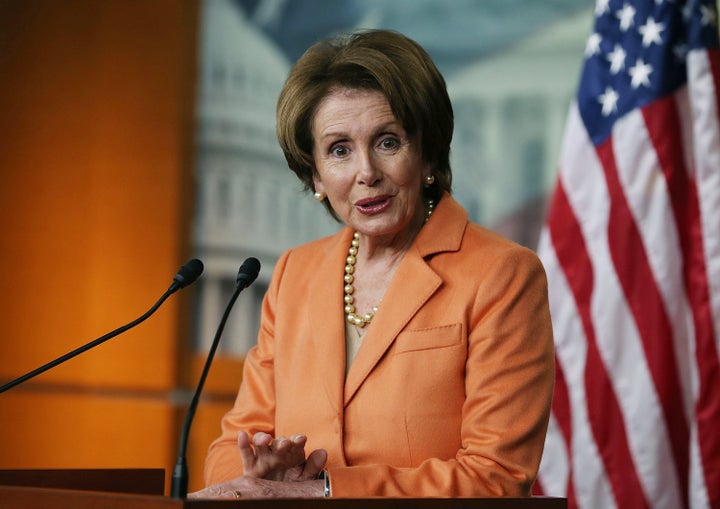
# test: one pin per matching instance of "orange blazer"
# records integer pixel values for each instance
(450, 392)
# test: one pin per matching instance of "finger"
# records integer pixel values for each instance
(262, 442)
(299, 440)
(217, 491)
(281, 445)
(296, 451)
(247, 454)
(261, 439)
(315, 463)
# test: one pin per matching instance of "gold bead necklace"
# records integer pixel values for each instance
(352, 318)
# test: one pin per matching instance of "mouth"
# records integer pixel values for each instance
(373, 205)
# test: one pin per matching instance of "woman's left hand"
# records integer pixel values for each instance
(252, 487)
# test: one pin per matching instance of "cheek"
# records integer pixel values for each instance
(334, 177)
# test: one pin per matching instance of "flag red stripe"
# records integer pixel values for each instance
(645, 301)
(537, 488)
(604, 412)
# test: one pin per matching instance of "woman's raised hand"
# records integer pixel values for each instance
(272, 468)
(279, 459)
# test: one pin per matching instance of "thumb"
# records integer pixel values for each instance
(315, 463)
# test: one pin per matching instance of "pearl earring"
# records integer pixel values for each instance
(319, 196)
(430, 180)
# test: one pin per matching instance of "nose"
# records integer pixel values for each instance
(368, 171)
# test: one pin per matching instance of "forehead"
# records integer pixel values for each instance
(349, 106)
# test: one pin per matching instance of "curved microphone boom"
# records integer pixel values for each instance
(247, 274)
(187, 275)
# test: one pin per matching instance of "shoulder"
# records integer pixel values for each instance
(490, 246)
(312, 248)
(488, 262)
(308, 258)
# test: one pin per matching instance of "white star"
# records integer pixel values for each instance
(609, 101)
(593, 45)
(601, 7)
(617, 59)
(626, 15)
(709, 16)
(687, 11)
(680, 51)
(650, 32)
(640, 73)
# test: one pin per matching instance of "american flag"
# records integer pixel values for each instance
(631, 246)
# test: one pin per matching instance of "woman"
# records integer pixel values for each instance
(412, 351)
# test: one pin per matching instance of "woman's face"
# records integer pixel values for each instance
(366, 165)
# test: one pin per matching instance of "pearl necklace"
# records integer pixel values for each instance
(352, 318)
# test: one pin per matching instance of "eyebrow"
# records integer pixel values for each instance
(387, 127)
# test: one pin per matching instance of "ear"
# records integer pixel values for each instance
(317, 183)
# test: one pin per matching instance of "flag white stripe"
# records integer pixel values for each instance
(555, 465)
(555, 469)
(698, 491)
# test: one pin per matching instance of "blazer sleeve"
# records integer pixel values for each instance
(509, 383)
(254, 408)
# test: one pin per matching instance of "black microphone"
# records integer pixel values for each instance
(187, 275)
(246, 276)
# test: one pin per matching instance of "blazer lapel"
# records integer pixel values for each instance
(413, 284)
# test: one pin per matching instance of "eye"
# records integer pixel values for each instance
(389, 143)
(339, 150)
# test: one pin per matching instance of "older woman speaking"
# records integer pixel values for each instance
(412, 351)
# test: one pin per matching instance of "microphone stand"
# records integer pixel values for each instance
(187, 275)
(179, 485)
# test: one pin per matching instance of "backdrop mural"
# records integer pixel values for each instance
(511, 66)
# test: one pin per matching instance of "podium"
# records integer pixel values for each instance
(143, 489)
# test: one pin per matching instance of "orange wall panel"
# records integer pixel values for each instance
(95, 191)
(52, 430)
(96, 196)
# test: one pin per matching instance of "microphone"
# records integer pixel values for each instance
(187, 275)
(246, 276)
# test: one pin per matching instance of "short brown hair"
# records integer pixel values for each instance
(380, 60)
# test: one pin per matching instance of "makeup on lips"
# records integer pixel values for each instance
(374, 205)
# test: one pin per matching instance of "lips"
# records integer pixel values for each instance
(373, 205)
